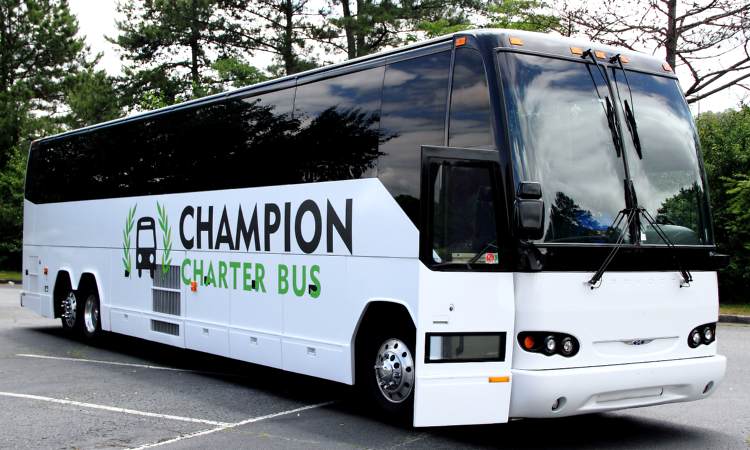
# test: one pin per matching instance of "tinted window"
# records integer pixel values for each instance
(339, 127)
(413, 114)
(470, 102)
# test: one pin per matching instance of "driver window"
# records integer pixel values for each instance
(464, 229)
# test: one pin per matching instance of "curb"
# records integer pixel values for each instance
(732, 318)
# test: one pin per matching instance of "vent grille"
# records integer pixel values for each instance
(166, 302)
(169, 280)
(165, 327)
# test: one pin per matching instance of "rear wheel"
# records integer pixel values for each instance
(386, 372)
(91, 323)
(70, 312)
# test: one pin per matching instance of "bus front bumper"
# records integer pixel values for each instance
(568, 392)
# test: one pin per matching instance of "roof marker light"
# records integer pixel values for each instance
(460, 41)
(516, 41)
(600, 54)
(666, 67)
(624, 59)
(576, 50)
(499, 379)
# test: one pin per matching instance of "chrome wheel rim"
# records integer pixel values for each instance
(91, 314)
(394, 371)
(69, 310)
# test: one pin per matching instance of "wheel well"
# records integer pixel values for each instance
(63, 284)
(88, 282)
(394, 314)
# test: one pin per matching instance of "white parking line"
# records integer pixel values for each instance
(232, 425)
(115, 363)
(114, 409)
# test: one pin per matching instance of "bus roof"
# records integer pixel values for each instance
(519, 40)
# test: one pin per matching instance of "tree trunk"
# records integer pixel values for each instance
(671, 39)
(287, 51)
(195, 75)
(351, 46)
(361, 15)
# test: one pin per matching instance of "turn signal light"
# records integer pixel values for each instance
(549, 343)
(194, 286)
(460, 41)
(516, 41)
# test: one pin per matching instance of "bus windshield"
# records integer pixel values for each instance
(560, 137)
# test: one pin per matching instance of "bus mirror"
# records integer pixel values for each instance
(530, 190)
(529, 211)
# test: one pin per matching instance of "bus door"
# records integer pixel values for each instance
(466, 302)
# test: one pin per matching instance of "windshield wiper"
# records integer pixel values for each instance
(609, 112)
(628, 108)
(633, 216)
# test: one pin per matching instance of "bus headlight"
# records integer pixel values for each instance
(550, 345)
(568, 346)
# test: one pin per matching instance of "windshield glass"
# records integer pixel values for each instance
(668, 180)
(560, 137)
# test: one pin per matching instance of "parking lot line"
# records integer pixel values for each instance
(233, 425)
(116, 363)
(113, 409)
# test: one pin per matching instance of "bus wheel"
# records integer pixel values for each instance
(92, 326)
(388, 371)
(70, 316)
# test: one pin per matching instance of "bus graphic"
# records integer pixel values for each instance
(145, 246)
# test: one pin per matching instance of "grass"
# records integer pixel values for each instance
(742, 310)
(10, 275)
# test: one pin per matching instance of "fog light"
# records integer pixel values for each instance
(695, 338)
(567, 346)
(558, 404)
(550, 345)
(708, 335)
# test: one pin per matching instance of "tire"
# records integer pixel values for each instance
(91, 323)
(70, 312)
(385, 349)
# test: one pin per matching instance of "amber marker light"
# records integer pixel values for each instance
(516, 41)
(624, 59)
(528, 342)
(666, 67)
(194, 286)
(460, 41)
(46, 271)
(576, 50)
(499, 379)
(600, 54)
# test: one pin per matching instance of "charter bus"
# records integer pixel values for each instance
(489, 225)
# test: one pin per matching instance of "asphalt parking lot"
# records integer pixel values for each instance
(56, 392)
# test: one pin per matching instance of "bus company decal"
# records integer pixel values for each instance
(246, 230)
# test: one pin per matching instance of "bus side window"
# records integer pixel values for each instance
(339, 127)
(414, 98)
(470, 125)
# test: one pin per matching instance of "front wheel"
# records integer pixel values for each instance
(388, 371)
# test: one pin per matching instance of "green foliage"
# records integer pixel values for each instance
(237, 73)
(11, 209)
(129, 223)
(166, 232)
(91, 98)
(527, 15)
(725, 141)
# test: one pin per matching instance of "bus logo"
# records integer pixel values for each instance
(145, 246)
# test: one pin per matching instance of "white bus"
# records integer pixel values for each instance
(490, 225)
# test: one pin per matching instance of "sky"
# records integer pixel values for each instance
(96, 19)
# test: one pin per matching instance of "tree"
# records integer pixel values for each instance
(174, 47)
(725, 141)
(91, 98)
(687, 34)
